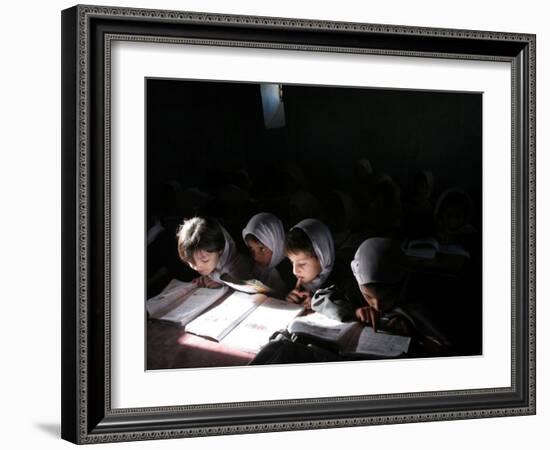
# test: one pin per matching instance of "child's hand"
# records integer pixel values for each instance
(307, 302)
(206, 282)
(298, 295)
(211, 284)
(400, 326)
(199, 281)
(368, 315)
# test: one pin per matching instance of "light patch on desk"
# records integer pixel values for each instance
(254, 332)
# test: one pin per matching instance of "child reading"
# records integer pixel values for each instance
(384, 212)
(209, 249)
(379, 273)
(264, 236)
(453, 213)
(310, 248)
(379, 276)
(419, 207)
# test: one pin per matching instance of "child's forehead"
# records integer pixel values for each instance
(200, 253)
(253, 240)
(366, 289)
(299, 255)
(376, 290)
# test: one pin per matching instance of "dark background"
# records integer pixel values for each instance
(209, 152)
(198, 130)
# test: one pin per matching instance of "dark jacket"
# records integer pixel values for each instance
(333, 303)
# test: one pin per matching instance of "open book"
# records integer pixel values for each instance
(244, 321)
(350, 338)
(429, 248)
(181, 302)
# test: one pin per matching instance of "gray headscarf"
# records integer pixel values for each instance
(378, 260)
(269, 230)
(323, 246)
(231, 261)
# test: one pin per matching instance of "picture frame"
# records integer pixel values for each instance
(87, 413)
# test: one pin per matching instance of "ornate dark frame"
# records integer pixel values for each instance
(87, 33)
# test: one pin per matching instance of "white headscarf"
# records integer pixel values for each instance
(231, 261)
(323, 246)
(269, 230)
(377, 260)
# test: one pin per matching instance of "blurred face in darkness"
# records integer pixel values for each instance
(453, 217)
(422, 188)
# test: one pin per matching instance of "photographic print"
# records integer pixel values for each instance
(295, 223)
(257, 199)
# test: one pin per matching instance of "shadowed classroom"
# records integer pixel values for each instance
(381, 187)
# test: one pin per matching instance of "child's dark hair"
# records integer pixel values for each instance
(384, 290)
(298, 241)
(199, 233)
(251, 237)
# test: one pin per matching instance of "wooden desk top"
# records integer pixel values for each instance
(170, 347)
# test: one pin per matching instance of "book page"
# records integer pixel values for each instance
(254, 331)
(168, 299)
(321, 327)
(193, 305)
(381, 344)
(220, 320)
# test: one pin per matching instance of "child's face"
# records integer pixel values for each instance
(453, 217)
(204, 262)
(259, 252)
(304, 266)
(379, 299)
(422, 188)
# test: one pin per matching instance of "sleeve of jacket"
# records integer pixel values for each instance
(333, 303)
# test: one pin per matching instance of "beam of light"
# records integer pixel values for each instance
(273, 106)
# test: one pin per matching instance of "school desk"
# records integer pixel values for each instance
(170, 347)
